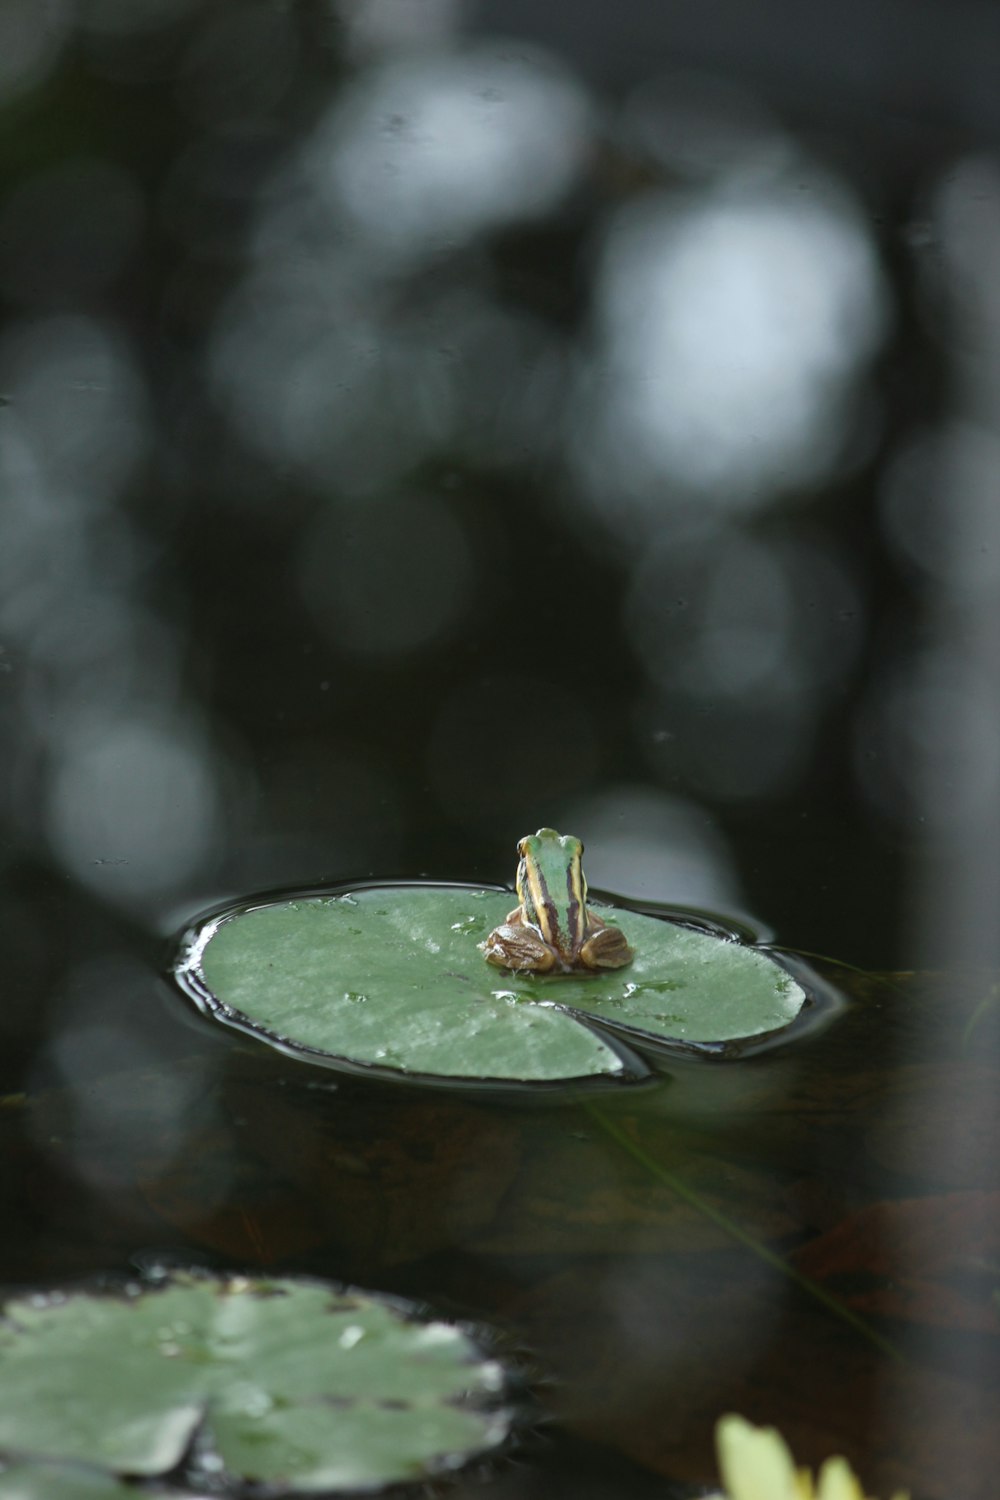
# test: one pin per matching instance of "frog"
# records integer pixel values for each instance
(552, 929)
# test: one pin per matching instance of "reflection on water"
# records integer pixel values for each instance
(732, 323)
(375, 26)
(653, 847)
(33, 36)
(412, 435)
(429, 151)
(630, 1245)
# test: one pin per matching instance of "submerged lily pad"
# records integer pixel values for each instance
(287, 1383)
(392, 977)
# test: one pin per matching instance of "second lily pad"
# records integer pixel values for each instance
(53, 1482)
(285, 1383)
(391, 977)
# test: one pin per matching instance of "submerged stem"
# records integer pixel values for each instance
(989, 1000)
(729, 1226)
(839, 963)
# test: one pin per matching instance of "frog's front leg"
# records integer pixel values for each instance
(516, 945)
(605, 947)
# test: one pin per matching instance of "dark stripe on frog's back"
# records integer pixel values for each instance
(545, 911)
(576, 905)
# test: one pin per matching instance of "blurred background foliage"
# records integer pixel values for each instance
(424, 421)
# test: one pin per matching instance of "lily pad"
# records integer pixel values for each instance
(392, 978)
(53, 1482)
(289, 1383)
(43, 1481)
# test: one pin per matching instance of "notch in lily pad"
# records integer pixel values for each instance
(222, 1383)
(447, 983)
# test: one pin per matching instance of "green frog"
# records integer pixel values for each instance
(553, 929)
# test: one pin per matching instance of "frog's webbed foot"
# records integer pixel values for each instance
(514, 945)
(605, 947)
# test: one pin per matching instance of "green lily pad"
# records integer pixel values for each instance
(391, 977)
(288, 1383)
(55, 1482)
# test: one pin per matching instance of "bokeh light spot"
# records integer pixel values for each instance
(919, 779)
(732, 327)
(653, 846)
(427, 151)
(375, 26)
(32, 34)
(132, 808)
(79, 402)
(940, 507)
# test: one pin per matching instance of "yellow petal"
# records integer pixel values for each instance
(755, 1462)
(837, 1481)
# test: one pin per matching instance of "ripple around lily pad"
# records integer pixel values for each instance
(391, 978)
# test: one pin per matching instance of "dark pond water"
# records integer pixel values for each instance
(423, 422)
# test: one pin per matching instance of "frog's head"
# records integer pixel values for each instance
(551, 886)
